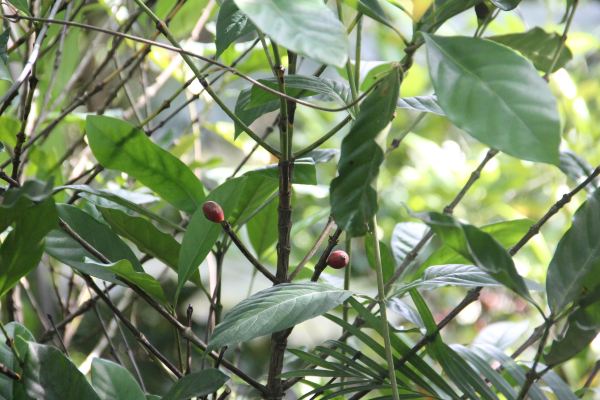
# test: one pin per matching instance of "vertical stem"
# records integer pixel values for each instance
(286, 165)
(347, 272)
(382, 309)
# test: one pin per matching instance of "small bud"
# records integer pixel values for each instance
(213, 212)
(338, 259)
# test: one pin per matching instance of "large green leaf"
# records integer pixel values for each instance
(117, 197)
(239, 197)
(255, 102)
(262, 230)
(113, 382)
(449, 275)
(495, 95)
(582, 327)
(441, 11)
(480, 248)
(147, 283)
(353, 193)
(49, 375)
(232, 24)
(144, 235)
(307, 27)
(68, 251)
(4, 70)
(274, 309)
(421, 104)
(119, 145)
(573, 269)
(33, 215)
(197, 384)
(9, 388)
(538, 46)
(506, 5)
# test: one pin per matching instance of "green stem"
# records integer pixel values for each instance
(382, 309)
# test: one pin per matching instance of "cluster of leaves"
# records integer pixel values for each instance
(100, 220)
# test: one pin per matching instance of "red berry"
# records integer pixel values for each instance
(213, 211)
(338, 259)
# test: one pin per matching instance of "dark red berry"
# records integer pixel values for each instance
(338, 259)
(213, 211)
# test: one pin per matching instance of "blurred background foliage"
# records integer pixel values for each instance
(423, 174)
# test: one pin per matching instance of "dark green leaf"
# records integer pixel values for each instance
(4, 70)
(144, 235)
(196, 384)
(440, 12)
(538, 46)
(387, 260)
(34, 215)
(376, 73)
(506, 5)
(353, 193)
(119, 145)
(68, 251)
(449, 275)
(480, 248)
(577, 169)
(113, 382)
(232, 24)
(117, 197)
(495, 95)
(421, 103)
(375, 9)
(255, 102)
(49, 375)
(147, 283)
(262, 229)
(583, 326)
(239, 198)
(274, 309)
(573, 270)
(21, 5)
(307, 27)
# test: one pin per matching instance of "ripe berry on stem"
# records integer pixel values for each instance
(213, 212)
(338, 259)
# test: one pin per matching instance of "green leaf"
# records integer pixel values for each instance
(10, 389)
(374, 9)
(506, 5)
(449, 275)
(262, 230)
(144, 235)
(307, 27)
(120, 146)
(405, 237)
(21, 5)
(4, 70)
(387, 260)
(577, 169)
(197, 384)
(353, 193)
(507, 233)
(113, 382)
(538, 46)
(49, 375)
(422, 104)
(274, 309)
(480, 248)
(496, 96)
(304, 172)
(232, 24)
(68, 251)
(116, 197)
(33, 214)
(573, 270)
(582, 327)
(239, 197)
(147, 283)
(440, 12)
(255, 102)
(375, 74)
